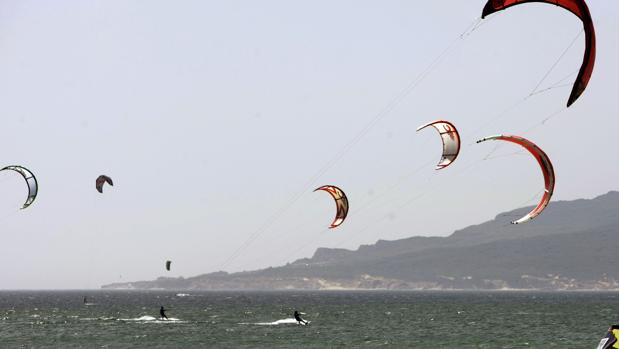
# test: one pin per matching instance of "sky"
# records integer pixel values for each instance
(217, 119)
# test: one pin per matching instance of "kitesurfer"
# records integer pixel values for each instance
(297, 317)
(162, 313)
(610, 340)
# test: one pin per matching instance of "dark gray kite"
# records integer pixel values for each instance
(102, 180)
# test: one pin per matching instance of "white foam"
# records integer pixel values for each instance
(288, 321)
(183, 295)
(97, 318)
(152, 319)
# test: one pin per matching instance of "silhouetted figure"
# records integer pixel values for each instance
(297, 317)
(85, 300)
(162, 313)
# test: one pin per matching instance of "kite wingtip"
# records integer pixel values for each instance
(489, 9)
(489, 138)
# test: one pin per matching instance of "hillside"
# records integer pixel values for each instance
(573, 245)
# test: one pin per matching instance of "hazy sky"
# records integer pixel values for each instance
(215, 118)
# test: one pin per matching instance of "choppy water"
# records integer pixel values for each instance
(123, 319)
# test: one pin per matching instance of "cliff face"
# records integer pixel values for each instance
(573, 245)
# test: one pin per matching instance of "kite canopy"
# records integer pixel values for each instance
(102, 180)
(167, 265)
(341, 202)
(451, 141)
(580, 9)
(544, 163)
(610, 340)
(31, 181)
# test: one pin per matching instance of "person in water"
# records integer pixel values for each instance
(297, 317)
(162, 313)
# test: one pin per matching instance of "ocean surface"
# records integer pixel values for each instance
(343, 319)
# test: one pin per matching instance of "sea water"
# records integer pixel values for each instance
(342, 319)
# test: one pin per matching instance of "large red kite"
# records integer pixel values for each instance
(544, 163)
(580, 9)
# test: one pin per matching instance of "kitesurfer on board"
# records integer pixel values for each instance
(297, 317)
(162, 313)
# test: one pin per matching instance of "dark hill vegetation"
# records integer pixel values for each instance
(573, 245)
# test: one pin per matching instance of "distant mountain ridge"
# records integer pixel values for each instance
(574, 245)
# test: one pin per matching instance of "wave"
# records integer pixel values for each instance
(152, 319)
(288, 321)
(97, 318)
